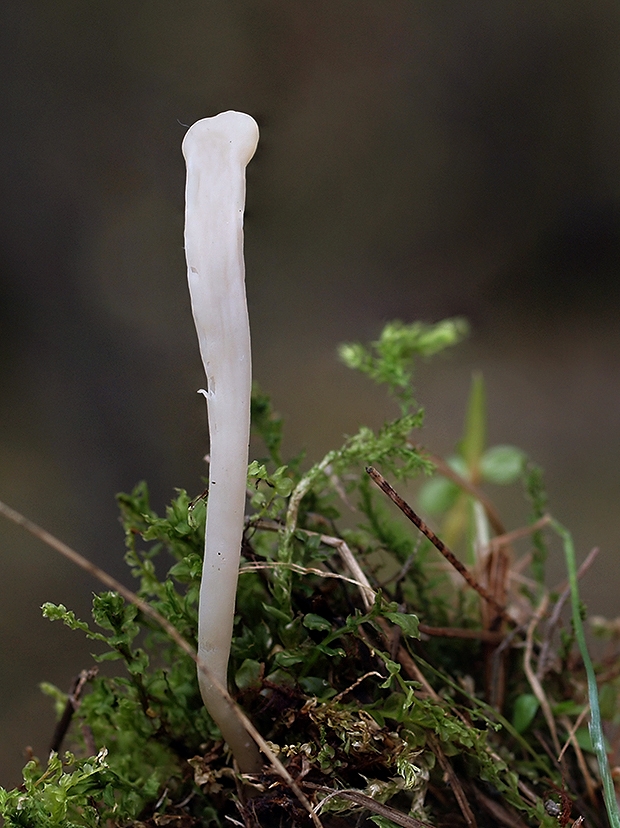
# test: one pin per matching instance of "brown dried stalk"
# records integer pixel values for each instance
(406, 509)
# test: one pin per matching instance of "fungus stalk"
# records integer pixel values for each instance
(216, 152)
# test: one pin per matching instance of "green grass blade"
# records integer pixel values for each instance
(596, 729)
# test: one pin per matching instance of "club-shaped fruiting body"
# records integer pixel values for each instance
(216, 152)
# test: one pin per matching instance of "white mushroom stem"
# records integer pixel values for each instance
(216, 152)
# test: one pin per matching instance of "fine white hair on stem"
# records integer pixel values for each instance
(216, 152)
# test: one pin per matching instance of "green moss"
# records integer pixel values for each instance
(365, 699)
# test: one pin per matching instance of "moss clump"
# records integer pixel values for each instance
(388, 688)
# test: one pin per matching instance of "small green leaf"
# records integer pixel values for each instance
(393, 669)
(408, 623)
(584, 740)
(458, 464)
(196, 516)
(287, 659)
(331, 651)
(282, 482)
(248, 674)
(110, 655)
(437, 495)
(502, 464)
(316, 622)
(276, 613)
(316, 686)
(526, 707)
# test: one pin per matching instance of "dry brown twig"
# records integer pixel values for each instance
(73, 702)
(517, 534)
(406, 509)
(358, 798)
(535, 684)
(467, 486)
(257, 566)
(499, 813)
(453, 780)
(572, 740)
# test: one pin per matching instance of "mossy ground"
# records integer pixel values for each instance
(387, 685)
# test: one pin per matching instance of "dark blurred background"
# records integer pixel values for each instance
(417, 160)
